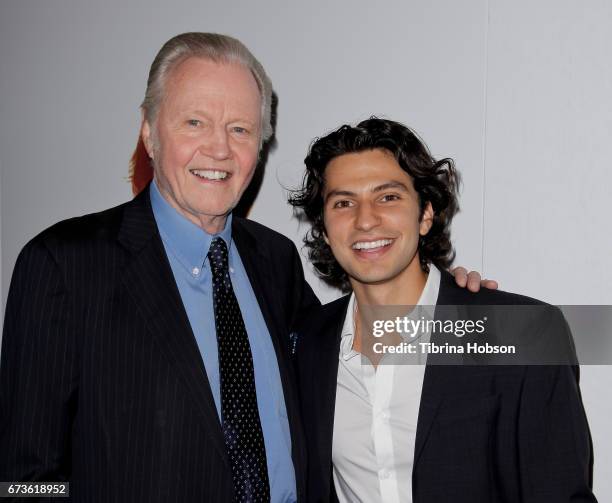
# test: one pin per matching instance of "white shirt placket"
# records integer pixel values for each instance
(382, 435)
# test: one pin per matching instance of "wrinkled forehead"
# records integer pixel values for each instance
(229, 82)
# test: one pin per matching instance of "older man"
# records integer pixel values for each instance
(146, 351)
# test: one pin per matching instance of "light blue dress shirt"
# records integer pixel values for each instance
(187, 246)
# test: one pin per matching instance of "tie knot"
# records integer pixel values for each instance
(217, 255)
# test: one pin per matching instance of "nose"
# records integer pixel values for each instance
(366, 217)
(216, 145)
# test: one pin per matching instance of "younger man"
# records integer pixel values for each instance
(380, 208)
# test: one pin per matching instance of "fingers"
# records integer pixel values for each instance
(489, 283)
(461, 276)
(473, 281)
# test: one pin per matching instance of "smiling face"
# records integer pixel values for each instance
(372, 218)
(205, 139)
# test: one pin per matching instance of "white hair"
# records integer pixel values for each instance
(214, 47)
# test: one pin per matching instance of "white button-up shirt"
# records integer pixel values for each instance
(376, 418)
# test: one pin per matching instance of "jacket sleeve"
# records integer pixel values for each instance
(554, 439)
(38, 372)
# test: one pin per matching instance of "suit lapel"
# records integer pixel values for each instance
(428, 408)
(259, 269)
(436, 376)
(323, 364)
(149, 280)
(259, 272)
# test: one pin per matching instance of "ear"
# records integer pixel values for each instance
(145, 134)
(426, 219)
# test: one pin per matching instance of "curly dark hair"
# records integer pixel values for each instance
(436, 182)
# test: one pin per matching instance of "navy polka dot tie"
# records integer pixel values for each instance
(239, 413)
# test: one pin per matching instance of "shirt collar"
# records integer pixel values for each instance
(429, 297)
(188, 242)
(348, 329)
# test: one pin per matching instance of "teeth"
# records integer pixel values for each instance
(368, 245)
(210, 174)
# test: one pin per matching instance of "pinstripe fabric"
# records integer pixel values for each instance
(101, 380)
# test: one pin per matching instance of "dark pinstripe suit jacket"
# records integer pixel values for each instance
(101, 379)
(485, 434)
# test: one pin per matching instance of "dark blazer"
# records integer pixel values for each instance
(102, 382)
(485, 434)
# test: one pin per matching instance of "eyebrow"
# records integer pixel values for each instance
(391, 185)
(250, 122)
(379, 188)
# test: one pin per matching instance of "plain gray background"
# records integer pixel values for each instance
(516, 91)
